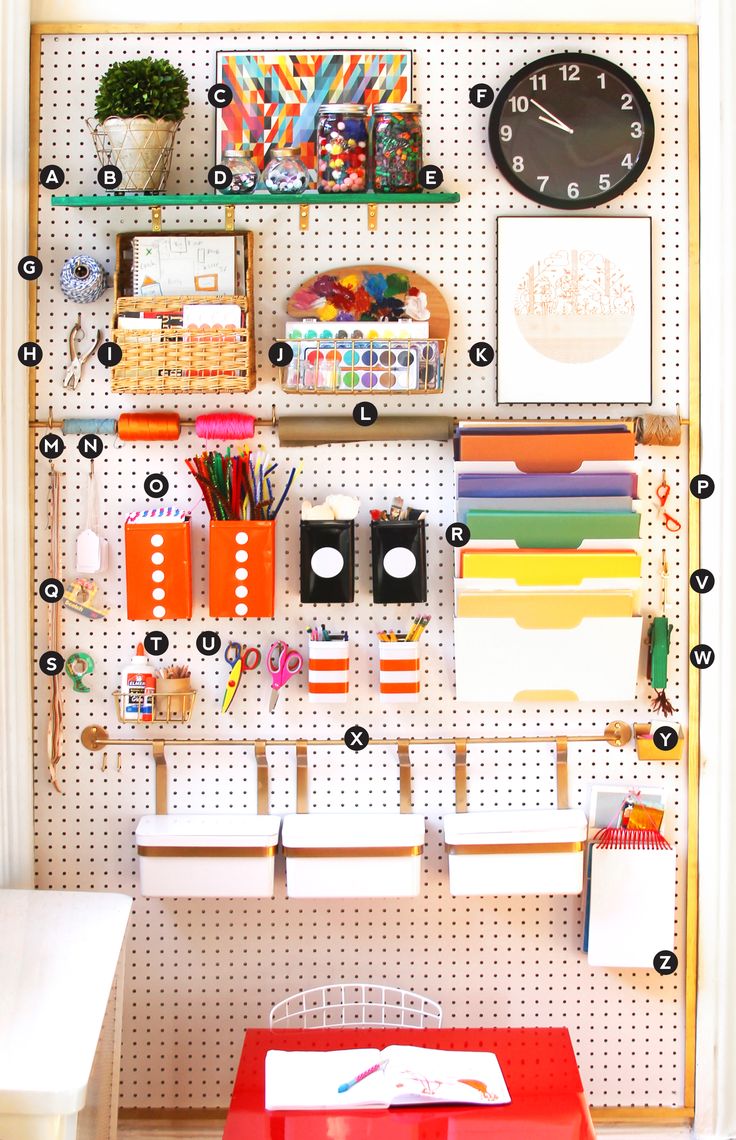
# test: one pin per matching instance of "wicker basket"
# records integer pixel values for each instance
(177, 361)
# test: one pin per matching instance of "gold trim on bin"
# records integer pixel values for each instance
(513, 848)
(350, 852)
(206, 852)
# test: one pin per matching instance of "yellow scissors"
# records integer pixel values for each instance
(239, 657)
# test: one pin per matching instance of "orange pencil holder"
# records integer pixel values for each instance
(329, 665)
(158, 569)
(242, 568)
(399, 666)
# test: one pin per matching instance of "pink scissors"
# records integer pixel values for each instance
(282, 663)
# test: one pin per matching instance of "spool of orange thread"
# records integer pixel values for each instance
(149, 426)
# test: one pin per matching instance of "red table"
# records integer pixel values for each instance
(547, 1101)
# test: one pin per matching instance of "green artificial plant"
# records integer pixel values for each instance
(150, 87)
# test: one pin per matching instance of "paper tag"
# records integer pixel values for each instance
(92, 553)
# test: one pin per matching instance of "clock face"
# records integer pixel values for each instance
(571, 131)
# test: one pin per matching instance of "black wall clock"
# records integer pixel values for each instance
(571, 131)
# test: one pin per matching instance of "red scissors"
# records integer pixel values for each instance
(282, 663)
(663, 494)
(239, 657)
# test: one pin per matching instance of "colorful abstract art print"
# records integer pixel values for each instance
(574, 311)
(277, 95)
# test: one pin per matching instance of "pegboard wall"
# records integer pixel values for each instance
(201, 971)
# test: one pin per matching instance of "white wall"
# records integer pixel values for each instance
(238, 12)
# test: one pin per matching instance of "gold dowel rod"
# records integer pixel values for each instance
(95, 738)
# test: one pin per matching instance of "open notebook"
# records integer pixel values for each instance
(405, 1075)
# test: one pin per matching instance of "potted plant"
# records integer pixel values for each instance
(139, 105)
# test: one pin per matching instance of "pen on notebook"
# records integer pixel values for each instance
(360, 1077)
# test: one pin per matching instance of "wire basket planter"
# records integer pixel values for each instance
(141, 149)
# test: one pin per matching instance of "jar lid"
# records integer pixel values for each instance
(238, 152)
(287, 151)
(346, 108)
(397, 109)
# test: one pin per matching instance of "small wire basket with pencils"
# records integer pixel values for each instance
(241, 494)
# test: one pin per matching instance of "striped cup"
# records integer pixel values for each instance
(329, 662)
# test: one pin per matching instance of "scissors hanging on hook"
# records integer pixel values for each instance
(282, 663)
(77, 361)
(239, 657)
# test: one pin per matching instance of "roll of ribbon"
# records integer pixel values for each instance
(658, 430)
(225, 425)
(149, 425)
(82, 279)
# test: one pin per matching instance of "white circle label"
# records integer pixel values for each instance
(241, 537)
(158, 575)
(241, 555)
(159, 594)
(399, 562)
(327, 562)
(241, 573)
(157, 540)
(159, 611)
(241, 609)
(157, 558)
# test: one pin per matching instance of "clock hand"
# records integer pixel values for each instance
(556, 123)
(552, 118)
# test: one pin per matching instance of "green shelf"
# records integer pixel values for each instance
(311, 198)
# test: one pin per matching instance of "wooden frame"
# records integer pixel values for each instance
(688, 30)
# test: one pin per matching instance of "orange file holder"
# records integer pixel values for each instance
(553, 452)
(158, 569)
(242, 568)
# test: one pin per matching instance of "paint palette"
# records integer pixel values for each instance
(359, 366)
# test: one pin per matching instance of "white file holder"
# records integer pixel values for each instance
(631, 904)
(497, 660)
(207, 856)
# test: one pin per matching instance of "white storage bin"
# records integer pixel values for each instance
(332, 856)
(526, 852)
(207, 856)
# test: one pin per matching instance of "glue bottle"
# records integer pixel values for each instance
(137, 688)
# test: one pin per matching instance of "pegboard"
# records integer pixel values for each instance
(201, 971)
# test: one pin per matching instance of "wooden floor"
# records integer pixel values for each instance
(209, 1130)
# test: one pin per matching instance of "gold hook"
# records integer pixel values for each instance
(120, 762)
(51, 418)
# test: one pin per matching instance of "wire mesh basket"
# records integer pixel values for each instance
(164, 708)
(141, 149)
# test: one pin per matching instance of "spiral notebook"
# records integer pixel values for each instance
(175, 265)
(372, 1078)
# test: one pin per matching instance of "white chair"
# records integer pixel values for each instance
(356, 1004)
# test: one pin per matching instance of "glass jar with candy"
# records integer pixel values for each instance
(342, 148)
(286, 172)
(397, 147)
(244, 170)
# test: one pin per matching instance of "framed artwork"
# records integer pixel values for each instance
(574, 311)
(277, 95)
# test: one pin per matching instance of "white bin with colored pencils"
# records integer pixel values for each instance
(399, 665)
(329, 676)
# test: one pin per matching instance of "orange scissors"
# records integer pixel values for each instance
(239, 657)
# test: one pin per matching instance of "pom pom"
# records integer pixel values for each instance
(343, 506)
(375, 284)
(396, 283)
(350, 281)
(317, 513)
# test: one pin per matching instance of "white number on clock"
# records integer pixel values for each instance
(570, 72)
